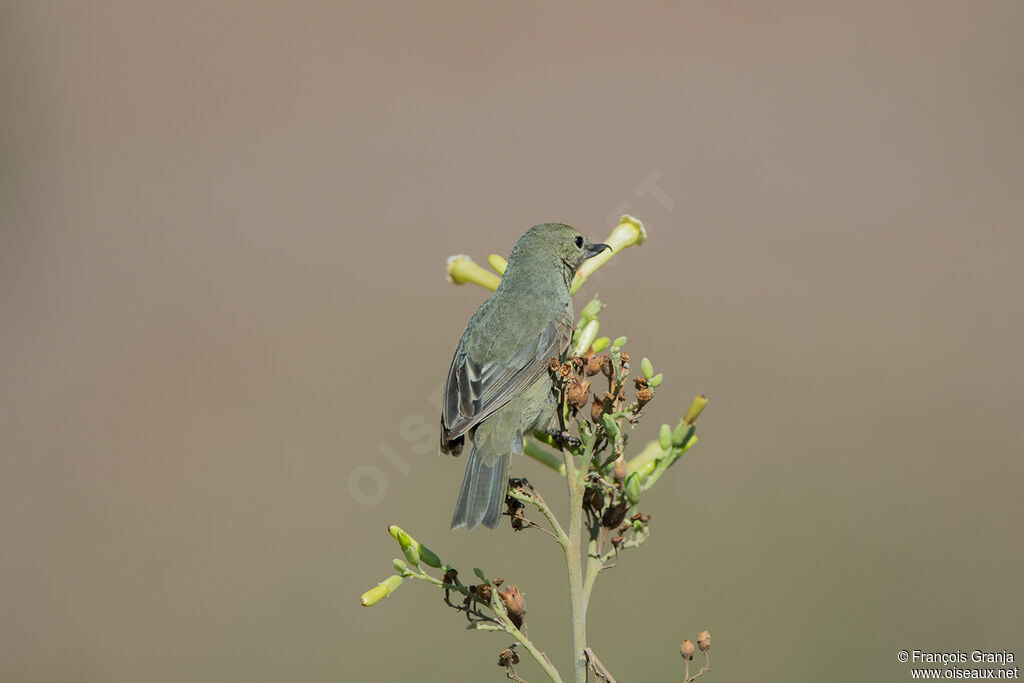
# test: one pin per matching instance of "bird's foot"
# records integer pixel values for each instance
(564, 439)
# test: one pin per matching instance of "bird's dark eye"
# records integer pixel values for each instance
(578, 241)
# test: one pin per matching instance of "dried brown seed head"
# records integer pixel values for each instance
(515, 604)
(508, 657)
(578, 394)
(704, 641)
(614, 515)
(687, 649)
(644, 396)
(593, 499)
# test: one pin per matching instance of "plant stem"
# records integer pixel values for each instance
(537, 654)
(594, 565)
(539, 503)
(573, 561)
(502, 623)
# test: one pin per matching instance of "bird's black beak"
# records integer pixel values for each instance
(595, 249)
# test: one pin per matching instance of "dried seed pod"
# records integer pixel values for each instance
(578, 393)
(597, 409)
(614, 515)
(515, 604)
(508, 656)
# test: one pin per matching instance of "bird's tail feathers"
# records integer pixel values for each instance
(483, 492)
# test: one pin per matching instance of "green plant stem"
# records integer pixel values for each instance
(499, 608)
(574, 565)
(560, 535)
(506, 625)
(594, 565)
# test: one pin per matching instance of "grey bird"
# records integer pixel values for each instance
(498, 389)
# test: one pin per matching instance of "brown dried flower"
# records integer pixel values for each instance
(687, 649)
(614, 515)
(597, 409)
(704, 641)
(515, 604)
(508, 656)
(644, 396)
(578, 394)
(593, 499)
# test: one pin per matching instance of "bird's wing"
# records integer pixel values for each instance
(473, 391)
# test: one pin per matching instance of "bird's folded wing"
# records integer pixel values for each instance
(473, 391)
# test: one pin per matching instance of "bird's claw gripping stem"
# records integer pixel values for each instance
(563, 438)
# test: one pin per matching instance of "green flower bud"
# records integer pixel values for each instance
(398, 533)
(587, 336)
(696, 408)
(412, 553)
(429, 557)
(632, 488)
(591, 310)
(610, 428)
(410, 546)
(656, 380)
(647, 368)
(381, 591)
(498, 263)
(665, 437)
(600, 344)
(400, 566)
(619, 342)
(682, 434)
(638, 527)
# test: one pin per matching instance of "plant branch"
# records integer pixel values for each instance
(538, 502)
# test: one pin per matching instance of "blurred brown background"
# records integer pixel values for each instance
(224, 227)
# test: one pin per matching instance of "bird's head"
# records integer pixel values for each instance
(557, 244)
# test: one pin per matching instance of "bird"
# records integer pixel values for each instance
(498, 389)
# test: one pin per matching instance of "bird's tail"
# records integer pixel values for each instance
(483, 492)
